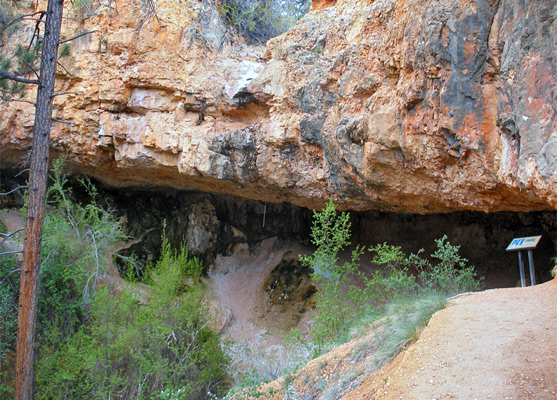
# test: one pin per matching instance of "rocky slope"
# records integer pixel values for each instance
(414, 106)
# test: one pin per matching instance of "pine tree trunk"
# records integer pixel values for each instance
(36, 200)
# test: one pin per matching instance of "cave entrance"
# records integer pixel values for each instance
(213, 224)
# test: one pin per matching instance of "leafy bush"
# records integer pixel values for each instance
(77, 242)
(93, 343)
(340, 301)
(160, 347)
(449, 275)
(393, 279)
(336, 304)
(260, 20)
(9, 286)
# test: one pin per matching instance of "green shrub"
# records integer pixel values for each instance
(141, 348)
(77, 245)
(95, 344)
(393, 279)
(260, 20)
(77, 241)
(448, 274)
(9, 287)
(337, 302)
(342, 300)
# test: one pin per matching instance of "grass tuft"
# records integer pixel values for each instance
(405, 318)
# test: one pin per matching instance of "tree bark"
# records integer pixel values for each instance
(36, 200)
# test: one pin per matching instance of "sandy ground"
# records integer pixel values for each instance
(497, 344)
(238, 287)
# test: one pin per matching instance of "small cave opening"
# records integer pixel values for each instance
(250, 249)
(289, 283)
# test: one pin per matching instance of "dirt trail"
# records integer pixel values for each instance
(497, 344)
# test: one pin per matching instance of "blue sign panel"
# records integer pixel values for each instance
(525, 243)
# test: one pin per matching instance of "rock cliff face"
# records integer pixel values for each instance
(414, 106)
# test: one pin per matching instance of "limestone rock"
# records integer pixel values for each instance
(203, 227)
(412, 106)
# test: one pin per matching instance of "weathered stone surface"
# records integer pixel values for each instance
(414, 106)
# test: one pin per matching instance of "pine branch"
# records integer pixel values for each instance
(9, 235)
(64, 93)
(77, 36)
(9, 273)
(63, 121)
(13, 190)
(36, 34)
(5, 75)
(25, 17)
(64, 68)
(16, 100)
(5, 253)
(23, 171)
(32, 70)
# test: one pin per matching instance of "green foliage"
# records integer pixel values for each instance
(137, 348)
(9, 286)
(23, 62)
(260, 20)
(24, 58)
(149, 342)
(393, 279)
(330, 234)
(65, 50)
(77, 242)
(449, 274)
(346, 295)
(336, 303)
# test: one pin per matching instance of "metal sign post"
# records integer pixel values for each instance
(526, 243)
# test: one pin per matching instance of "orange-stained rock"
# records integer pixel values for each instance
(412, 106)
(319, 4)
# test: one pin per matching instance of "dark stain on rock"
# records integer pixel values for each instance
(290, 291)
(453, 142)
(239, 149)
(311, 127)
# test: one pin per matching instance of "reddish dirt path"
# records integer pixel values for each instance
(497, 344)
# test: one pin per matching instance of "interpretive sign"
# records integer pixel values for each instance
(525, 243)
